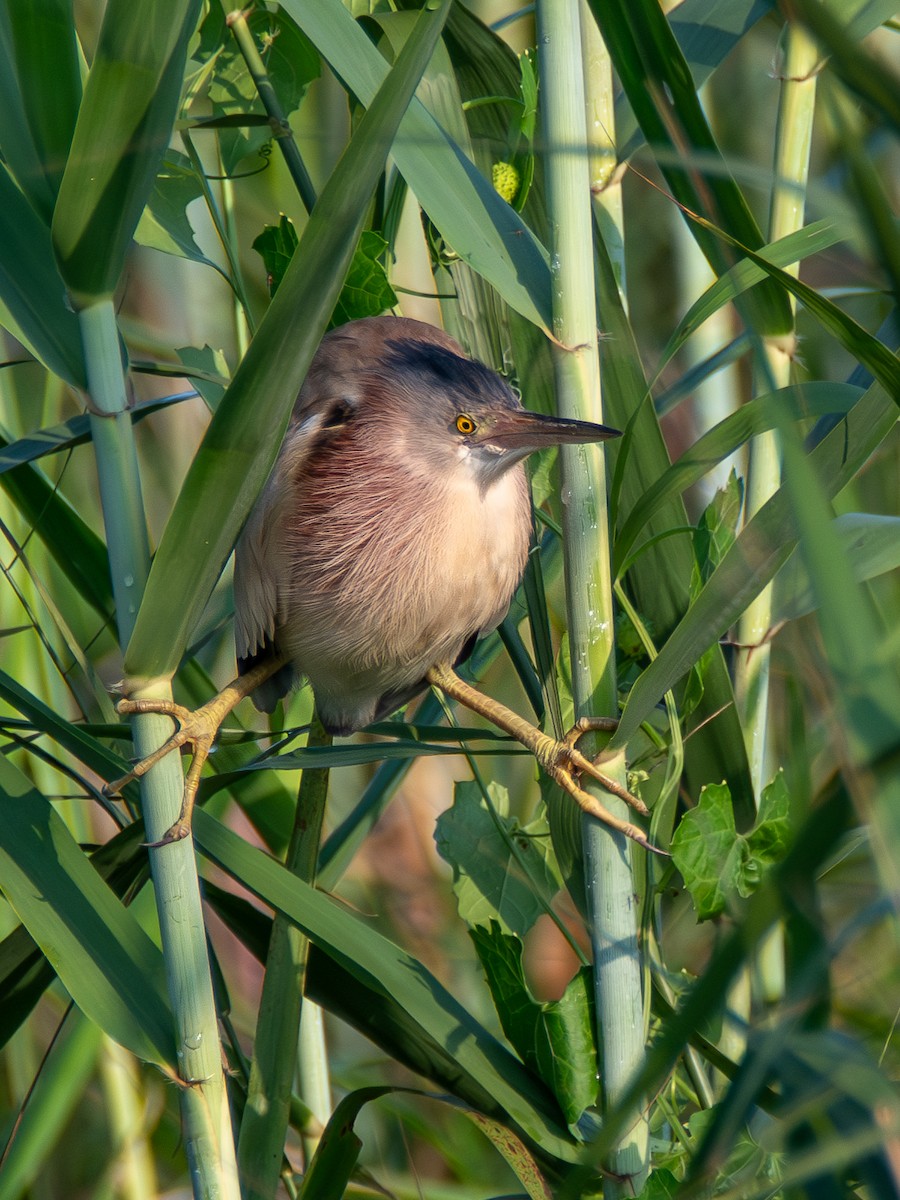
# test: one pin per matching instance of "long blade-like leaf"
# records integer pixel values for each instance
(123, 128)
(242, 441)
(480, 227)
(109, 965)
(389, 970)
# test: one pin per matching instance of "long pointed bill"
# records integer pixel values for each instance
(525, 432)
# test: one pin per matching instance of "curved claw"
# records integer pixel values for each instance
(197, 729)
(591, 805)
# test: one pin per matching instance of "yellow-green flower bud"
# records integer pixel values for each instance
(505, 179)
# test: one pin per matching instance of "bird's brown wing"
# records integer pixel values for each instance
(260, 581)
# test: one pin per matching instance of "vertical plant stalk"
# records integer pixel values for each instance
(207, 1123)
(603, 165)
(267, 1111)
(610, 883)
(793, 137)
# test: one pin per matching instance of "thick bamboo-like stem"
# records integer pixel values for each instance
(207, 1122)
(609, 877)
(266, 1113)
(791, 165)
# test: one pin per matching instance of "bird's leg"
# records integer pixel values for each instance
(560, 759)
(198, 729)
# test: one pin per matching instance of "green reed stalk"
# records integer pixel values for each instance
(610, 884)
(793, 137)
(267, 1111)
(207, 1123)
(603, 163)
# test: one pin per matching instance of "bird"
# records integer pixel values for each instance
(390, 536)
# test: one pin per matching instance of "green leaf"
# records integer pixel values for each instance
(124, 125)
(714, 535)
(716, 862)
(335, 1158)
(763, 546)
(795, 403)
(108, 964)
(59, 1091)
(865, 74)
(659, 579)
(501, 871)
(291, 64)
(660, 1185)
(556, 1038)
(795, 247)
(481, 228)
(656, 78)
(707, 31)
(717, 528)
(387, 971)
(275, 246)
(40, 90)
(871, 543)
(164, 223)
(864, 346)
(367, 291)
(242, 441)
(32, 294)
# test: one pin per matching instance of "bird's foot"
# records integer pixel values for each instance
(561, 759)
(197, 729)
(564, 763)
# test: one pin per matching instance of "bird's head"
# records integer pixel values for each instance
(455, 411)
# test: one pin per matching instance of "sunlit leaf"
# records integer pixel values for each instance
(716, 861)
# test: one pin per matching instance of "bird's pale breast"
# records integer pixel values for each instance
(388, 572)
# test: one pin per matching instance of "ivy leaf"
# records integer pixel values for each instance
(275, 246)
(716, 862)
(660, 1185)
(501, 870)
(291, 63)
(555, 1039)
(366, 291)
(164, 223)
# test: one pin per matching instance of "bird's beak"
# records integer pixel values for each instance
(518, 429)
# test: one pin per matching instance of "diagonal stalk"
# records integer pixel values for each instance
(207, 1122)
(610, 883)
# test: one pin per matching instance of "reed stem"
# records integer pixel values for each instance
(610, 883)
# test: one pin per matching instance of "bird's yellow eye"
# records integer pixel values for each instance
(465, 423)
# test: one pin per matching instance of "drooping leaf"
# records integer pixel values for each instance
(164, 223)
(555, 1038)
(871, 542)
(483, 230)
(763, 546)
(500, 870)
(385, 969)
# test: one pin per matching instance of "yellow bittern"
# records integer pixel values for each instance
(391, 534)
